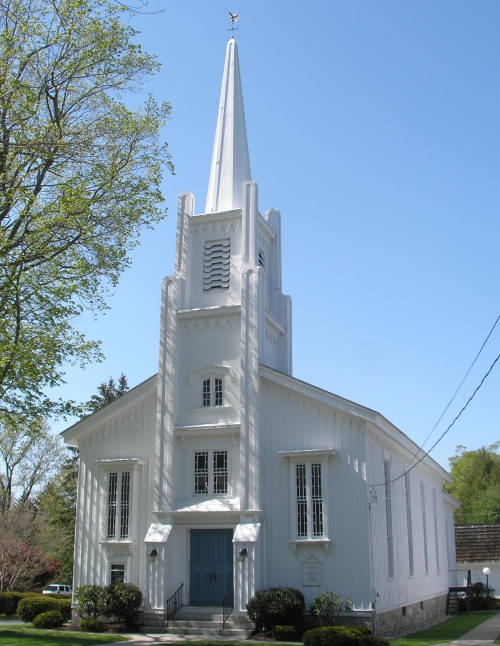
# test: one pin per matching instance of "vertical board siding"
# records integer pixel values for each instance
(402, 588)
(291, 423)
(129, 437)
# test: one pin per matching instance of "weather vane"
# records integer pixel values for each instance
(233, 18)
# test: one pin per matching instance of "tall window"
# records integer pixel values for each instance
(388, 518)
(117, 573)
(424, 527)
(212, 391)
(436, 533)
(118, 504)
(309, 499)
(409, 527)
(210, 472)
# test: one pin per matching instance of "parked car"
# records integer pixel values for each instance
(58, 588)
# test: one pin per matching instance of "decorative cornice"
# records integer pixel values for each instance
(112, 549)
(309, 454)
(211, 323)
(212, 369)
(217, 229)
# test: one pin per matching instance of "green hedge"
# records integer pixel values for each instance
(66, 610)
(339, 636)
(286, 633)
(48, 620)
(5, 603)
(276, 607)
(122, 602)
(92, 626)
(16, 598)
(31, 607)
(371, 640)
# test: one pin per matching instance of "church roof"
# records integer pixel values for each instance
(477, 543)
(230, 160)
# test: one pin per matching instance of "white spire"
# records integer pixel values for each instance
(230, 159)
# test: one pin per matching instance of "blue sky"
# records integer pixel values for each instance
(374, 127)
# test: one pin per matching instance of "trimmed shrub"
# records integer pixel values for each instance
(91, 600)
(66, 610)
(328, 606)
(92, 626)
(5, 603)
(16, 598)
(286, 633)
(47, 620)
(31, 607)
(371, 640)
(276, 607)
(123, 601)
(482, 597)
(337, 636)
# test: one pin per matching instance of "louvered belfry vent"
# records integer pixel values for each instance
(216, 264)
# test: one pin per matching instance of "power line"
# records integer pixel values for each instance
(455, 394)
(382, 484)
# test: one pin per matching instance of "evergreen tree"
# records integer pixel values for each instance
(58, 502)
(107, 392)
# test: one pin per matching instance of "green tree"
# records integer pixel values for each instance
(57, 511)
(57, 504)
(23, 564)
(107, 392)
(29, 457)
(79, 179)
(476, 484)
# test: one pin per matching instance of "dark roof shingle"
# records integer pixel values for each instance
(477, 543)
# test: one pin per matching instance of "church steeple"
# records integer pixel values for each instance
(230, 159)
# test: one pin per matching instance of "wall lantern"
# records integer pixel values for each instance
(153, 554)
(243, 554)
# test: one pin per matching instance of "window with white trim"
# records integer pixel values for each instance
(388, 519)
(117, 573)
(210, 473)
(309, 500)
(424, 527)
(212, 391)
(118, 505)
(308, 473)
(409, 526)
(436, 530)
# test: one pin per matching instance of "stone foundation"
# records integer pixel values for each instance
(411, 618)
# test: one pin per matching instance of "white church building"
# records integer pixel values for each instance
(223, 474)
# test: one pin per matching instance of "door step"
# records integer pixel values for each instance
(199, 621)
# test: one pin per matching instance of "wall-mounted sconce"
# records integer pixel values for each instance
(243, 554)
(153, 554)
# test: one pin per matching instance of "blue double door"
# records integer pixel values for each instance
(211, 566)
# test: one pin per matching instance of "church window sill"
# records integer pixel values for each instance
(309, 542)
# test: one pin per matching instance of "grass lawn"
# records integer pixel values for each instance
(17, 635)
(443, 633)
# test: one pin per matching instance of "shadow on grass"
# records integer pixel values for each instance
(27, 636)
(448, 631)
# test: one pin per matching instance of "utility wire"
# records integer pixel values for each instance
(454, 395)
(383, 484)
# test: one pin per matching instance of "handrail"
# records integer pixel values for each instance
(174, 603)
(459, 578)
(227, 608)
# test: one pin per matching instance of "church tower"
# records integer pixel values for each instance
(223, 474)
(223, 314)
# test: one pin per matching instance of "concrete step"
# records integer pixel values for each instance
(209, 632)
(200, 621)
